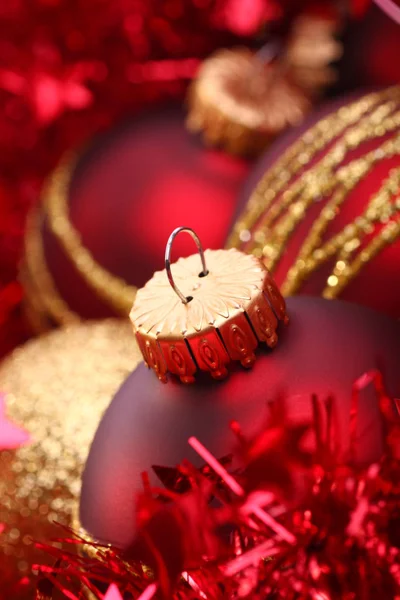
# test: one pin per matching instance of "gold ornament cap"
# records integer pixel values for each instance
(241, 102)
(211, 310)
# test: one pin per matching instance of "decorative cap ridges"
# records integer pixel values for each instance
(228, 310)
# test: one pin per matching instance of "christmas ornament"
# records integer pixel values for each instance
(241, 99)
(323, 215)
(241, 102)
(229, 306)
(338, 539)
(327, 345)
(81, 262)
(57, 388)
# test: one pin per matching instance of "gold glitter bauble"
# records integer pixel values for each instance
(58, 387)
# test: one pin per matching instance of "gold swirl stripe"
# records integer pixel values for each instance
(302, 152)
(114, 290)
(289, 189)
(42, 295)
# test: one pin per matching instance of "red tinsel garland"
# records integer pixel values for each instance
(295, 524)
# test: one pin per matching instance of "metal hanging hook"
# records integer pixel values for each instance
(168, 248)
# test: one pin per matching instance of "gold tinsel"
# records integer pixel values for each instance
(57, 387)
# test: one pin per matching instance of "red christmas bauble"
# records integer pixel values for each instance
(363, 168)
(325, 348)
(128, 191)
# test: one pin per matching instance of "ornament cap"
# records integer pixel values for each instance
(241, 101)
(206, 313)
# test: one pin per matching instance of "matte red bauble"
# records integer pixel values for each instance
(321, 207)
(106, 217)
(325, 348)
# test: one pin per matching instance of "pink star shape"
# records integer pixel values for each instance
(11, 436)
(112, 593)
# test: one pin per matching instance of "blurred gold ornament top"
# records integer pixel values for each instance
(241, 103)
(57, 387)
(207, 313)
(241, 100)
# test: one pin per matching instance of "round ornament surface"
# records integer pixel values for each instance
(322, 207)
(325, 348)
(57, 388)
(106, 215)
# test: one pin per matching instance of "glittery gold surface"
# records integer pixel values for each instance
(288, 190)
(58, 387)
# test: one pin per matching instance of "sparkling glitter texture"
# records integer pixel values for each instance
(58, 387)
